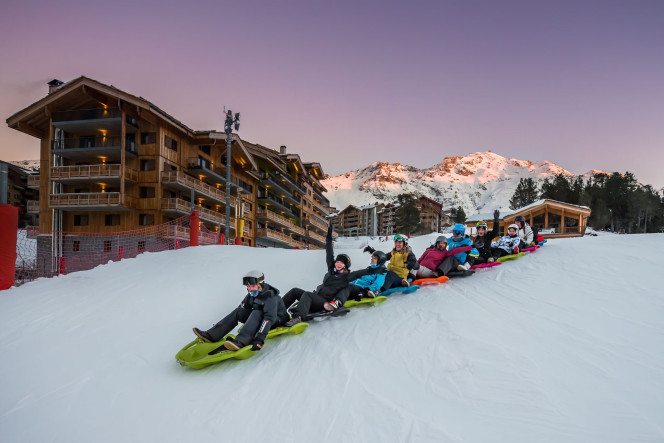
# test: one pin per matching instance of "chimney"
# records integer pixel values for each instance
(282, 149)
(53, 85)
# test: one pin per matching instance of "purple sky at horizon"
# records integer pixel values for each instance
(578, 83)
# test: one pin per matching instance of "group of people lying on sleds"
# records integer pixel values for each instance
(262, 309)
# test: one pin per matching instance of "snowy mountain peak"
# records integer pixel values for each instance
(478, 182)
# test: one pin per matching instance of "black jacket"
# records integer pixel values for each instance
(483, 244)
(269, 302)
(333, 281)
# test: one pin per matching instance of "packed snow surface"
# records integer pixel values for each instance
(563, 345)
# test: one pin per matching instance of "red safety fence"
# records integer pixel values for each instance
(46, 255)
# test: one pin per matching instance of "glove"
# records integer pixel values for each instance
(496, 214)
(515, 250)
(377, 270)
(369, 249)
(257, 344)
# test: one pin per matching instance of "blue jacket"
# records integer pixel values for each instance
(465, 241)
(371, 282)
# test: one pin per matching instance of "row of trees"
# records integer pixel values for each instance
(617, 201)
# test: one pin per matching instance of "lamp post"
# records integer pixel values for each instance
(231, 121)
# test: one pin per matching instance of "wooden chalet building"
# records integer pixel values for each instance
(111, 161)
(551, 217)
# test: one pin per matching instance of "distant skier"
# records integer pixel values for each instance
(261, 310)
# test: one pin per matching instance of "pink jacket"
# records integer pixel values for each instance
(433, 256)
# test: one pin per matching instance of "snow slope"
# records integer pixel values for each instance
(560, 346)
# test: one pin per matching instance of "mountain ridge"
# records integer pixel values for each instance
(478, 182)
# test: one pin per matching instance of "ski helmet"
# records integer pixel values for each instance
(343, 258)
(253, 278)
(482, 224)
(402, 238)
(512, 226)
(382, 258)
(440, 239)
(521, 219)
(458, 230)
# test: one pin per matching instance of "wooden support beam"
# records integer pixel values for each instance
(30, 130)
(93, 94)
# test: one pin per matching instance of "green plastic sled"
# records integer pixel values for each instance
(505, 258)
(195, 354)
(365, 301)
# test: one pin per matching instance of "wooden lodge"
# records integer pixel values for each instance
(111, 161)
(551, 217)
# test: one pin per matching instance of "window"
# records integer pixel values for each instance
(80, 220)
(205, 149)
(86, 141)
(148, 165)
(141, 246)
(76, 246)
(146, 219)
(146, 192)
(148, 138)
(112, 219)
(170, 143)
(107, 246)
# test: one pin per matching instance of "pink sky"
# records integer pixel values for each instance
(578, 83)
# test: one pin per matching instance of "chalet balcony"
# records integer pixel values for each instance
(92, 201)
(317, 222)
(283, 184)
(178, 206)
(183, 182)
(278, 187)
(277, 203)
(33, 207)
(89, 121)
(267, 215)
(83, 148)
(109, 174)
(203, 169)
(277, 237)
(33, 181)
(315, 237)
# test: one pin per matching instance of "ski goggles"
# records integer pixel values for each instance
(250, 281)
(399, 238)
(458, 233)
(481, 225)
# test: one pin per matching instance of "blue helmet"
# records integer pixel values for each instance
(458, 230)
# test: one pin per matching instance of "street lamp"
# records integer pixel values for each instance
(229, 124)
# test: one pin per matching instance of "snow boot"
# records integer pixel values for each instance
(233, 345)
(203, 335)
(332, 305)
(293, 321)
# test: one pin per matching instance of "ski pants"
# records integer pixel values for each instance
(356, 292)
(498, 252)
(307, 302)
(448, 265)
(253, 325)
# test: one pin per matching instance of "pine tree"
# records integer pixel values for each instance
(459, 215)
(407, 215)
(525, 193)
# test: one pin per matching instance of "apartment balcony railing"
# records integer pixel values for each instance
(275, 235)
(215, 173)
(180, 206)
(278, 202)
(92, 172)
(316, 237)
(33, 181)
(280, 188)
(98, 146)
(33, 206)
(92, 201)
(265, 214)
(284, 182)
(181, 181)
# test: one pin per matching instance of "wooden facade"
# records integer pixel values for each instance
(111, 161)
(552, 218)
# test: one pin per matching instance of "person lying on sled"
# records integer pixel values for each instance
(261, 310)
(369, 285)
(506, 245)
(333, 292)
